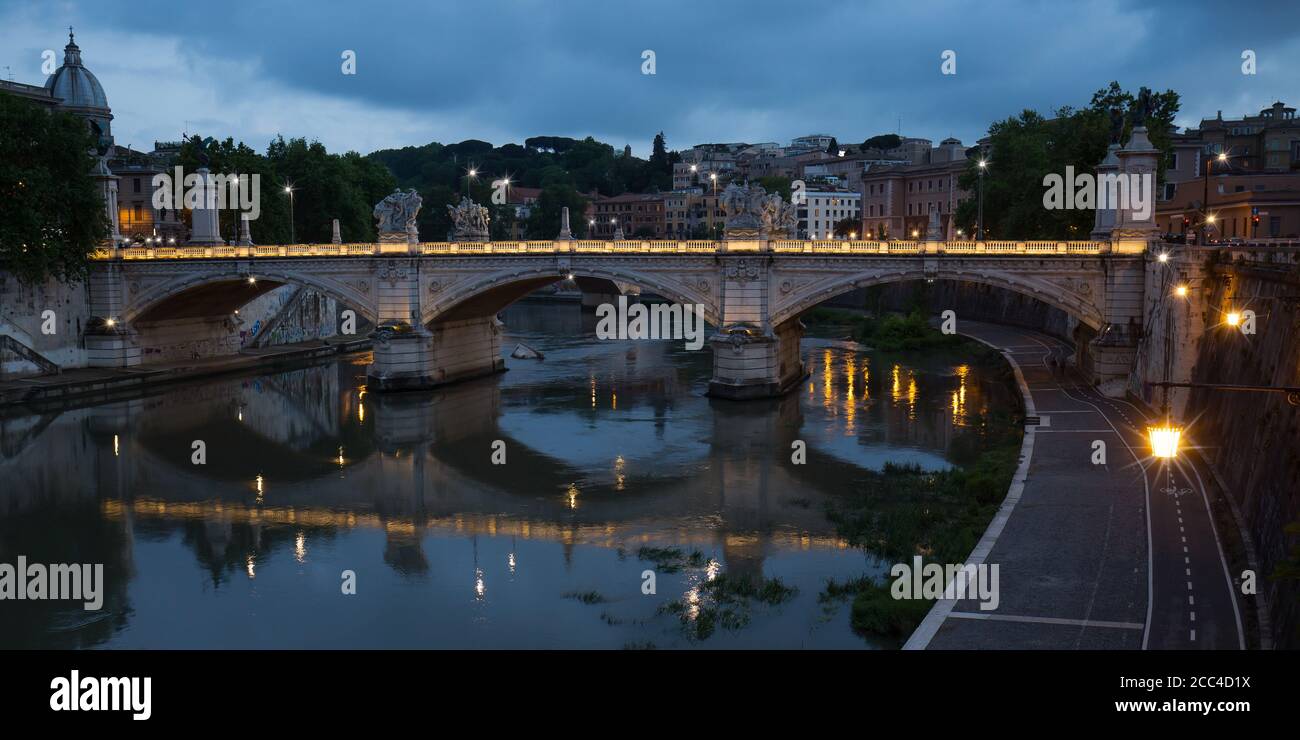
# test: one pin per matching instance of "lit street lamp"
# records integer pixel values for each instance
(1164, 440)
(293, 239)
(1206, 218)
(979, 229)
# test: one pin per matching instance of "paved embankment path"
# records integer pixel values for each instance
(1120, 555)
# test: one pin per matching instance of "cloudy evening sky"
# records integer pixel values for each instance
(743, 70)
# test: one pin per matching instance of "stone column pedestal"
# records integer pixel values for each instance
(111, 346)
(747, 365)
(415, 358)
(403, 358)
(1112, 353)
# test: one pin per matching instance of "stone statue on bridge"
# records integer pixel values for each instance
(469, 221)
(753, 213)
(396, 213)
(779, 217)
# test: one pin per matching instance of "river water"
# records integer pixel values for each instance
(617, 469)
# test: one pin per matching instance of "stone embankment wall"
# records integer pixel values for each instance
(22, 311)
(309, 315)
(1253, 439)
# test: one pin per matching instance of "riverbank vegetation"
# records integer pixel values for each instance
(726, 601)
(904, 511)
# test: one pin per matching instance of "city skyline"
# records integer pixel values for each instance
(502, 77)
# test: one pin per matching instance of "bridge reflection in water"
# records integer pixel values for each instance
(610, 447)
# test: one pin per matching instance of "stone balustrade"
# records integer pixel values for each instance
(795, 246)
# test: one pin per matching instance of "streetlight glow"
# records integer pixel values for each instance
(1234, 318)
(1181, 291)
(1164, 440)
(1162, 257)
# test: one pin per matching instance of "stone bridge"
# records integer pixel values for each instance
(435, 304)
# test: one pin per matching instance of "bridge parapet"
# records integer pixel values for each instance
(780, 246)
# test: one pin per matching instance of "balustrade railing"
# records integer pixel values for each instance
(628, 246)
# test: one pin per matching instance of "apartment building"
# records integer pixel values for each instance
(825, 208)
(639, 216)
(897, 199)
(1243, 206)
(692, 214)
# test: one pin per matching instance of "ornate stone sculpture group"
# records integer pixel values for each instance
(753, 213)
(396, 213)
(469, 221)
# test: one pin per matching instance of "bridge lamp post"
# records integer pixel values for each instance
(979, 228)
(714, 177)
(1206, 218)
(470, 174)
(293, 239)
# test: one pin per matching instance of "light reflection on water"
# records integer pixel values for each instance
(611, 447)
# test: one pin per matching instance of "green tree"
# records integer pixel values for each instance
(1026, 148)
(883, 141)
(846, 227)
(544, 219)
(53, 213)
(659, 155)
(776, 184)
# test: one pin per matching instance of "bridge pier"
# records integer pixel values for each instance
(751, 357)
(109, 340)
(749, 366)
(416, 358)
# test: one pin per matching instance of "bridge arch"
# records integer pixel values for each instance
(476, 296)
(212, 292)
(1081, 307)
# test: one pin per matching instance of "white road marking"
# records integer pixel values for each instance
(1048, 620)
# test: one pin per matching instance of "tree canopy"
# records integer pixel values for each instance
(54, 214)
(883, 141)
(325, 187)
(563, 168)
(1024, 149)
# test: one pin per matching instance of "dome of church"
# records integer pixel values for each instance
(74, 84)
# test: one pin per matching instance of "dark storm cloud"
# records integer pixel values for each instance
(735, 70)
